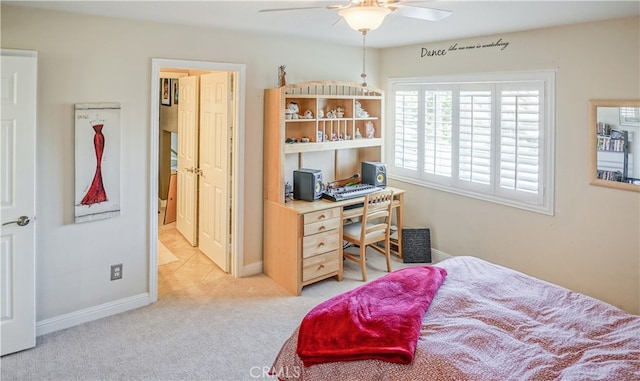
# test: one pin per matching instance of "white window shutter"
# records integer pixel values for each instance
(475, 136)
(520, 140)
(438, 145)
(484, 136)
(406, 129)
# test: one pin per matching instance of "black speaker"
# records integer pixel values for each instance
(374, 173)
(307, 184)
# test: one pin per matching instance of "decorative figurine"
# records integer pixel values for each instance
(371, 131)
(358, 134)
(288, 190)
(282, 80)
(360, 113)
(308, 114)
(294, 109)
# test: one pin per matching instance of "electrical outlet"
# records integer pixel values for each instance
(116, 271)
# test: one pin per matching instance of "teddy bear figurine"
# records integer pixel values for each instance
(294, 109)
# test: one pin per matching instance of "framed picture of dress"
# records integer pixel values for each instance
(165, 91)
(97, 161)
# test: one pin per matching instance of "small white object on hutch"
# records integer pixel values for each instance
(336, 118)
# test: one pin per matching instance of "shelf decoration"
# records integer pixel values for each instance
(293, 110)
(282, 75)
(360, 112)
(371, 131)
(335, 114)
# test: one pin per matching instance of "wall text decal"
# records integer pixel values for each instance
(502, 45)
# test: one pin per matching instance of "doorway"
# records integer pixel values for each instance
(236, 136)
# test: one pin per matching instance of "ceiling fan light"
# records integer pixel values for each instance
(364, 18)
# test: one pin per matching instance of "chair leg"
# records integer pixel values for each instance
(387, 253)
(363, 262)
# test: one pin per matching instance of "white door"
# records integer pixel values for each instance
(17, 198)
(187, 193)
(214, 168)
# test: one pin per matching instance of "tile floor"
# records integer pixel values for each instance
(195, 276)
(192, 268)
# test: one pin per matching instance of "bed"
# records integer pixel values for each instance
(484, 322)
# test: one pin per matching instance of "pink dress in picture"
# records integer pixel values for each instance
(96, 192)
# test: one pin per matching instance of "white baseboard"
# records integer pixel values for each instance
(439, 256)
(94, 313)
(252, 269)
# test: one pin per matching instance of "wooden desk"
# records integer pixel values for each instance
(303, 240)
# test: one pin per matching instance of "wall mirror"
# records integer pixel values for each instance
(614, 143)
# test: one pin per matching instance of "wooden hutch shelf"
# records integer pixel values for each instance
(338, 125)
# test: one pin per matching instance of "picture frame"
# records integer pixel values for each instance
(175, 85)
(165, 91)
(97, 161)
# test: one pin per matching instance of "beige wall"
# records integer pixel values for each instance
(592, 243)
(88, 59)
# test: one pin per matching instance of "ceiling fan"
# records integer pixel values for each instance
(366, 15)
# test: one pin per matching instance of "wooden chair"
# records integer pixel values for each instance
(374, 227)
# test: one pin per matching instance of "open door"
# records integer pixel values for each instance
(214, 168)
(17, 200)
(187, 192)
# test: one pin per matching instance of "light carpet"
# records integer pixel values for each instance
(232, 332)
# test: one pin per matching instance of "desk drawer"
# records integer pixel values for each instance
(321, 226)
(320, 243)
(320, 265)
(321, 215)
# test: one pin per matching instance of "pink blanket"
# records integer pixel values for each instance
(379, 320)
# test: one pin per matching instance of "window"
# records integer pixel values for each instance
(485, 136)
(630, 116)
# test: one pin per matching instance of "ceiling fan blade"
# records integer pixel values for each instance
(326, 6)
(429, 14)
(293, 9)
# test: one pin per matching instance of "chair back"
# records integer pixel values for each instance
(376, 216)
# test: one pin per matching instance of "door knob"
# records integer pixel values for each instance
(196, 171)
(21, 221)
